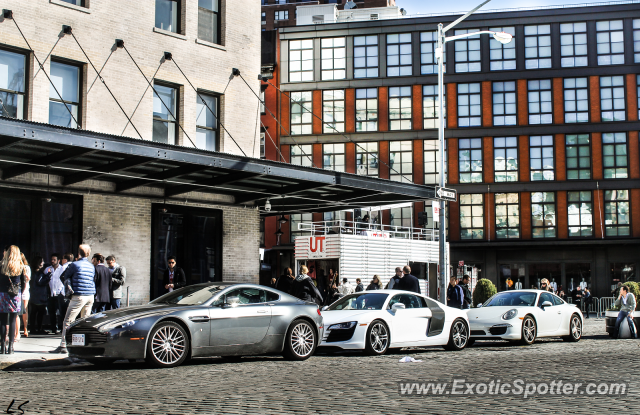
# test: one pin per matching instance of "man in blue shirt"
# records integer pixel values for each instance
(455, 294)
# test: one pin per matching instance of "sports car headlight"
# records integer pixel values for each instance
(343, 326)
(117, 325)
(510, 314)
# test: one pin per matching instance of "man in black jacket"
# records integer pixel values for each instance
(102, 280)
(173, 276)
(466, 303)
(408, 282)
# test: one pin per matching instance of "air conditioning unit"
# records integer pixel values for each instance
(374, 16)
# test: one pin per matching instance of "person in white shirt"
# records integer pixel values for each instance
(56, 290)
(346, 288)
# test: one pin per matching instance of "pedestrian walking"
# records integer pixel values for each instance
(81, 274)
(455, 294)
(627, 303)
(587, 299)
(345, 288)
(118, 278)
(467, 300)
(407, 281)
(285, 281)
(305, 289)
(26, 294)
(11, 279)
(375, 284)
(102, 281)
(395, 279)
(173, 276)
(39, 296)
(359, 286)
(544, 285)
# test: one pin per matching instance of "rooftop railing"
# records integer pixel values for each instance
(364, 229)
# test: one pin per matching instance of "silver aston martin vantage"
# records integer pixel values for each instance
(213, 319)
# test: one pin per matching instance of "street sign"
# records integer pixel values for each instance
(449, 195)
(461, 263)
(436, 212)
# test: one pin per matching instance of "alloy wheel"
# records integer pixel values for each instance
(460, 335)
(529, 330)
(302, 339)
(168, 345)
(576, 327)
(379, 337)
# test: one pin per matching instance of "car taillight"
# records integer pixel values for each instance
(319, 313)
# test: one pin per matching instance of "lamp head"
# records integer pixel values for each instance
(503, 37)
(267, 206)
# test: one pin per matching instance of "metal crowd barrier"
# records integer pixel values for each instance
(606, 303)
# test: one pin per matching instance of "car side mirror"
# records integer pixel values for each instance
(398, 306)
(325, 308)
(479, 305)
(546, 304)
(231, 302)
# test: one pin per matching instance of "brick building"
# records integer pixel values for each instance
(541, 140)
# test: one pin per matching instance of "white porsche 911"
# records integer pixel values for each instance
(376, 321)
(524, 315)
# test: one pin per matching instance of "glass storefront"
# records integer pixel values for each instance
(550, 271)
(577, 275)
(512, 277)
(622, 272)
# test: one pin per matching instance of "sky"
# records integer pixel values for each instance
(439, 6)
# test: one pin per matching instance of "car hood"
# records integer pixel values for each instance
(141, 311)
(343, 316)
(490, 312)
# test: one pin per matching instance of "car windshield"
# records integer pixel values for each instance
(190, 295)
(360, 301)
(512, 299)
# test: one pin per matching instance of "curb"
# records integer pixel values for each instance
(35, 363)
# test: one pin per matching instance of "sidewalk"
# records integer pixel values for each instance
(33, 349)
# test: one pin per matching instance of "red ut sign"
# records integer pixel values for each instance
(316, 247)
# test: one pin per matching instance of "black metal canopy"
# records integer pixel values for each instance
(79, 155)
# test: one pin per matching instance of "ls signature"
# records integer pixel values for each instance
(9, 411)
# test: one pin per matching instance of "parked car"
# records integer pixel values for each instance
(376, 321)
(524, 315)
(213, 319)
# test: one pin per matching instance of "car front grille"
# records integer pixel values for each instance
(91, 335)
(496, 331)
(478, 333)
(341, 335)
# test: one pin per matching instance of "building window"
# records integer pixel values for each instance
(573, 44)
(610, 39)
(12, 84)
(636, 40)
(578, 153)
(431, 161)
(428, 61)
(505, 156)
(281, 15)
(614, 155)
(401, 161)
(207, 122)
(576, 100)
(541, 156)
(507, 216)
(504, 103)
(333, 59)
(367, 109)
(470, 159)
(612, 104)
(333, 111)
(263, 145)
(296, 219)
(367, 159)
(638, 92)
(164, 114)
(469, 107)
(537, 46)
(301, 115)
(467, 52)
(333, 157)
(66, 80)
(399, 55)
(616, 213)
(539, 99)
(334, 218)
(264, 18)
(472, 216)
(400, 217)
(400, 108)
(502, 57)
(209, 20)
(301, 60)
(431, 106)
(167, 14)
(365, 56)
(301, 155)
(543, 214)
(580, 214)
(75, 2)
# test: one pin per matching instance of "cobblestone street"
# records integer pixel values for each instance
(336, 383)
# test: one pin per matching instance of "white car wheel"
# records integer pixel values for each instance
(575, 329)
(377, 340)
(529, 331)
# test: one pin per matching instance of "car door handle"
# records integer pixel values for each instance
(199, 319)
(262, 311)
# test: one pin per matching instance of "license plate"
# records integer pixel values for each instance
(77, 339)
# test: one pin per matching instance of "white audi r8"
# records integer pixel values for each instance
(376, 321)
(524, 315)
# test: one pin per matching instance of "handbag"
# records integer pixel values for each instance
(14, 289)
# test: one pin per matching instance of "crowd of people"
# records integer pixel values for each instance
(326, 290)
(62, 289)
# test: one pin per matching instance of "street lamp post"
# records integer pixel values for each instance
(442, 40)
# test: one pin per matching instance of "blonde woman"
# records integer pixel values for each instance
(11, 279)
(25, 299)
(375, 284)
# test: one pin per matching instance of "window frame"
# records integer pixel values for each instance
(285, 13)
(463, 202)
(293, 219)
(473, 120)
(573, 34)
(217, 15)
(617, 202)
(505, 148)
(542, 168)
(176, 113)
(333, 156)
(367, 112)
(366, 56)
(636, 40)
(338, 126)
(459, 50)
(612, 89)
(609, 32)
(615, 145)
(528, 61)
(178, 22)
(578, 145)
(400, 66)
(579, 206)
(400, 176)
(362, 155)
(472, 174)
(544, 205)
(424, 55)
(303, 106)
(58, 99)
(575, 100)
(333, 59)
(431, 175)
(495, 47)
(506, 118)
(509, 207)
(401, 99)
(432, 97)
(539, 92)
(26, 76)
(216, 128)
(304, 46)
(403, 210)
(300, 159)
